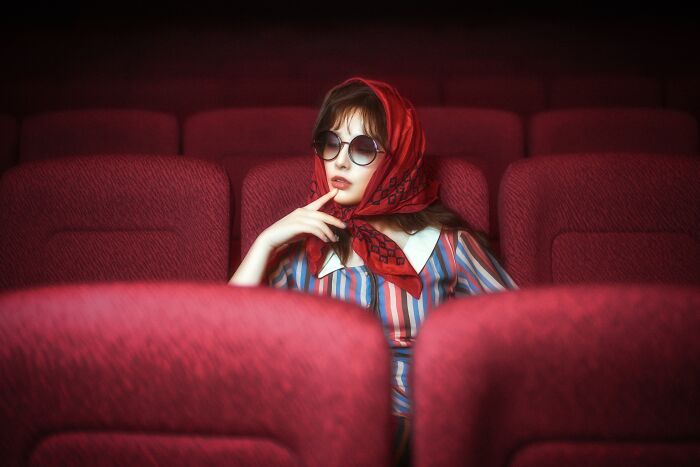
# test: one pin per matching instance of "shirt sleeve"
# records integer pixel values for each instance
(478, 271)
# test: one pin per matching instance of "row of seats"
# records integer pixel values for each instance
(573, 218)
(208, 374)
(275, 131)
(238, 139)
(522, 94)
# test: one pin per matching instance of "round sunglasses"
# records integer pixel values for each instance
(362, 149)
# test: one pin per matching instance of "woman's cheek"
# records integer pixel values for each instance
(359, 191)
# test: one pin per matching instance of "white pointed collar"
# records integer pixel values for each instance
(419, 247)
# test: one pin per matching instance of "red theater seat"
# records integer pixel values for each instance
(603, 375)
(239, 139)
(461, 131)
(463, 189)
(622, 130)
(190, 374)
(489, 139)
(614, 217)
(79, 132)
(520, 94)
(249, 132)
(8, 142)
(94, 218)
(605, 89)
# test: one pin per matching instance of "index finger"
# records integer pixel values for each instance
(317, 203)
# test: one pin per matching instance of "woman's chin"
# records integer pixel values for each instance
(344, 201)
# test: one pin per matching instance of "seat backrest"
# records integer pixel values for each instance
(129, 217)
(249, 132)
(190, 374)
(494, 135)
(601, 374)
(239, 139)
(8, 141)
(601, 218)
(651, 130)
(265, 200)
(490, 139)
(101, 131)
(520, 94)
(604, 89)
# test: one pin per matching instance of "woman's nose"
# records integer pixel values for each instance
(343, 159)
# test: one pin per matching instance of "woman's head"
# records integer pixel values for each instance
(392, 182)
(351, 114)
(392, 188)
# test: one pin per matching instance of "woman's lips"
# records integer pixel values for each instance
(340, 183)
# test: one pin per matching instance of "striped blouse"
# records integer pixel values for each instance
(451, 263)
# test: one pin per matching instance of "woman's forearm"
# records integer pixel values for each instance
(252, 268)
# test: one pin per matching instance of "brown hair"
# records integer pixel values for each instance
(338, 105)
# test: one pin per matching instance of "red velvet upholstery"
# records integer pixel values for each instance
(190, 374)
(601, 217)
(239, 139)
(489, 139)
(625, 130)
(267, 131)
(8, 141)
(482, 133)
(463, 188)
(605, 89)
(580, 375)
(520, 94)
(80, 132)
(93, 218)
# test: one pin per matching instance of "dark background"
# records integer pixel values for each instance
(129, 41)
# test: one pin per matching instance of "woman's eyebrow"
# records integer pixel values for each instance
(347, 133)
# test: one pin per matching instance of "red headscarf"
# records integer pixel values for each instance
(399, 185)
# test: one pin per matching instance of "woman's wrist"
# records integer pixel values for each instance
(261, 243)
(252, 268)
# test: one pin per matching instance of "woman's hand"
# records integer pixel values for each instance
(301, 221)
(305, 220)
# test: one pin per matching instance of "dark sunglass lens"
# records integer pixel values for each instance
(363, 150)
(326, 145)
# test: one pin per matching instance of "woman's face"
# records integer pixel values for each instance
(358, 176)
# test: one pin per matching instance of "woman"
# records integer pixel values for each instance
(373, 231)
